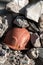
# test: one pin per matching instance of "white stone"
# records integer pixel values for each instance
(33, 11)
(17, 5)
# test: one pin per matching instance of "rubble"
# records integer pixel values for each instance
(21, 32)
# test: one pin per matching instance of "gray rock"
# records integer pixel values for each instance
(41, 37)
(33, 53)
(41, 23)
(3, 56)
(21, 21)
(4, 23)
(33, 27)
(35, 40)
(17, 5)
(40, 54)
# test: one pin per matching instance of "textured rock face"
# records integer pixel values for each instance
(21, 21)
(17, 5)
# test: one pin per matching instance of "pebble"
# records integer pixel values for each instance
(41, 38)
(4, 23)
(33, 27)
(21, 21)
(41, 23)
(35, 40)
(33, 53)
(40, 54)
(17, 38)
(33, 11)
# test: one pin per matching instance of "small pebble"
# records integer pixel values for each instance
(33, 53)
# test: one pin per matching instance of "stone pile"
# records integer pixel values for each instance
(21, 32)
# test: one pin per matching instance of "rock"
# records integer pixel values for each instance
(17, 38)
(38, 62)
(3, 56)
(41, 23)
(33, 53)
(32, 62)
(33, 11)
(4, 24)
(35, 40)
(42, 7)
(40, 54)
(21, 21)
(33, 26)
(41, 38)
(16, 5)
